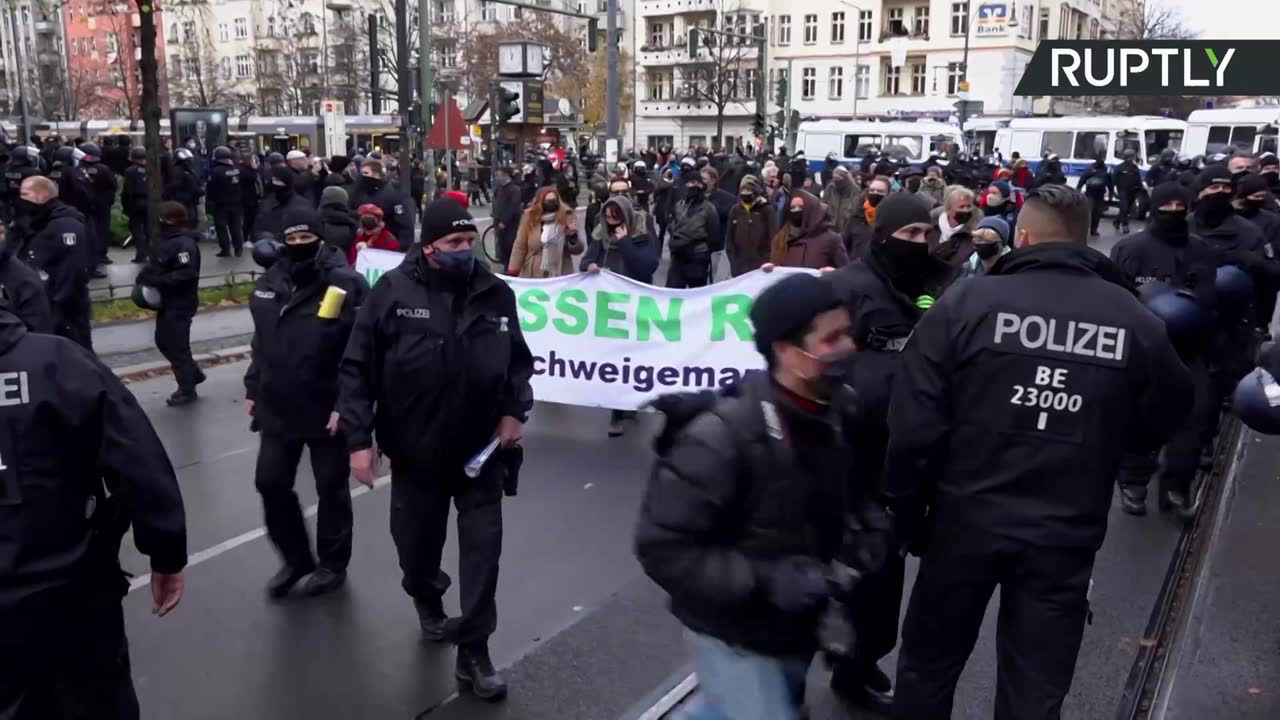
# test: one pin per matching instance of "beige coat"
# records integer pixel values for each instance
(526, 255)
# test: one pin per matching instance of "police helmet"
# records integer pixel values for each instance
(146, 297)
(275, 158)
(1234, 288)
(91, 149)
(64, 155)
(266, 252)
(1184, 320)
(222, 152)
(183, 154)
(138, 154)
(1257, 402)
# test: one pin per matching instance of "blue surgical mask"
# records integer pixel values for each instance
(455, 262)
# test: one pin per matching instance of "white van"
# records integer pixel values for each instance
(1250, 130)
(851, 139)
(1079, 139)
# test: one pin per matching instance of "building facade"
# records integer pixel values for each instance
(836, 59)
(32, 37)
(103, 60)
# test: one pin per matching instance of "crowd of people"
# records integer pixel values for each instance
(963, 379)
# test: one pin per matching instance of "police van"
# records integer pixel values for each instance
(1248, 130)
(1078, 140)
(850, 140)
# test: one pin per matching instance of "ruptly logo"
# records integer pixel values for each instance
(1161, 67)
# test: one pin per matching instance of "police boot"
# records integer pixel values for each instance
(865, 686)
(283, 581)
(1133, 500)
(432, 620)
(1173, 500)
(323, 581)
(475, 672)
(182, 396)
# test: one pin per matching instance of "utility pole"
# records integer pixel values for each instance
(375, 79)
(404, 88)
(612, 101)
(150, 112)
(425, 93)
(19, 48)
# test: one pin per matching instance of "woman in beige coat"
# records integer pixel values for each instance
(547, 239)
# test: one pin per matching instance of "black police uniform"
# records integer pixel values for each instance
(81, 463)
(251, 189)
(440, 361)
(225, 199)
(293, 383)
(133, 200)
(22, 292)
(396, 207)
(20, 168)
(175, 271)
(184, 186)
(279, 201)
(104, 186)
(1126, 178)
(1184, 262)
(57, 249)
(74, 190)
(1008, 420)
(885, 306)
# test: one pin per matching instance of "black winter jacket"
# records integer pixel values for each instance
(103, 185)
(133, 199)
(73, 187)
(24, 293)
(397, 210)
(695, 230)
(340, 226)
(58, 250)
(224, 189)
(270, 220)
(184, 185)
(82, 464)
(293, 378)
(433, 364)
(174, 269)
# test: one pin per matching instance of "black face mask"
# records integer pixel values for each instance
(693, 192)
(986, 251)
(368, 222)
(1214, 209)
(913, 185)
(874, 199)
(1239, 175)
(31, 210)
(550, 206)
(795, 217)
(302, 253)
(1255, 205)
(1169, 224)
(906, 262)
(370, 184)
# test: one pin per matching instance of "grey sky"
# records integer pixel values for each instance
(1230, 19)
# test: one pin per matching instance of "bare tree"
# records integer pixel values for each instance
(290, 68)
(1150, 20)
(565, 60)
(717, 73)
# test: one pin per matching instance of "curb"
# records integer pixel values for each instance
(144, 371)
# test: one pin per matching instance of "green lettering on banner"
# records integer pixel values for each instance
(531, 302)
(606, 314)
(731, 311)
(649, 315)
(565, 304)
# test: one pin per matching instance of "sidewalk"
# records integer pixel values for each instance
(132, 343)
(213, 271)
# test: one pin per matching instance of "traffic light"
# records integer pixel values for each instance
(758, 125)
(507, 104)
(593, 35)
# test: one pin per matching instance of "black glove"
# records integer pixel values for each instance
(797, 585)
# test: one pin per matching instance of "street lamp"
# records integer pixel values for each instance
(964, 63)
(857, 51)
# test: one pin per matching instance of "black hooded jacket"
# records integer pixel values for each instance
(293, 378)
(58, 250)
(340, 226)
(278, 203)
(83, 465)
(1012, 408)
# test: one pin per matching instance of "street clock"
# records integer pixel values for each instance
(520, 59)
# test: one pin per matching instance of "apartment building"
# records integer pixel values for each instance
(892, 59)
(103, 60)
(32, 36)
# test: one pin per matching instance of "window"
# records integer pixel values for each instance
(1044, 23)
(1064, 22)
(835, 83)
(1093, 29)
(784, 29)
(244, 66)
(892, 77)
(658, 35)
(225, 68)
(1090, 144)
(1225, 137)
(808, 83)
(837, 28)
(1025, 27)
(660, 141)
(173, 30)
(1158, 140)
(959, 18)
(917, 78)
(1058, 143)
(489, 12)
(810, 29)
(113, 43)
(117, 76)
(921, 24)
(895, 18)
(859, 145)
(242, 28)
(864, 26)
(697, 141)
(751, 82)
(224, 32)
(175, 67)
(955, 73)
(271, 26)
(308, 23)
(862, 81)
(189, 31)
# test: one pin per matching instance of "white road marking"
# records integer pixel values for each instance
(669, 701)
(235, 542)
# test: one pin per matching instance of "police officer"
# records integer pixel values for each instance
(281, 197)
(104, 185)
(133, 200)
(291, 391)
(886, 293)
(175, 271)
(1050, 172)
(21, 289)
(251, 188)
(1164, 170)
(1167, 253)
(184, 185)
(24, 162)
(225, 200)
(1126, 178)
(81, 464)
(1008, 419)
(396, 208)
(74, 190)
(437, 363)
(56, 248)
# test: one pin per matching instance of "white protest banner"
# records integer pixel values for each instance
(602, 340)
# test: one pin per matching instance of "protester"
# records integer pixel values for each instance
(506, 213)
(1001, 201)
(547, 240)
(695, 235)
(806, 239)
(752, 225)
(990, 243)
(841, 195)
(933, 187)
(953, 225)
(858, 234)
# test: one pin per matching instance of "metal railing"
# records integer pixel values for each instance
(229, 280)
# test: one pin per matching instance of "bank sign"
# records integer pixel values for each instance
(992, 20)
(1160, 67)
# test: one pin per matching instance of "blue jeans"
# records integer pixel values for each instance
(736, 684)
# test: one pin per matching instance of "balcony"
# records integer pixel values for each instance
(646, 8)
(45, 27)
(47, 57)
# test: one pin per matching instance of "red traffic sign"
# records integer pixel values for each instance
(458, 128)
